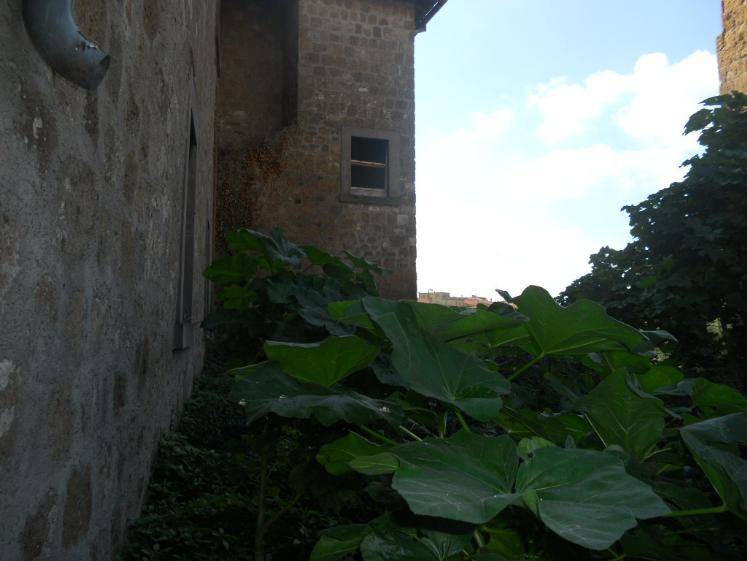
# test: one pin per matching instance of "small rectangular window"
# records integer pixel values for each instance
(369, 170)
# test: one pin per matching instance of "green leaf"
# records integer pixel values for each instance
(466, 477)
(553, 427)
(447, 324)
(585, 496)
(581, 328)
(527, 446)
(505, 545)
(351, 312)
(379, 464)
(275, 250)
(409, 545)
(582, 495)
(336, 455)
(433, 368)
(264, 388)
(336, 543)
(659, 377)
(714, 445)
(324, 363)
(235, 297)
(630, 419)
(234, 269)
(717, 399)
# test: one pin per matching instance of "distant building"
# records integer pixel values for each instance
(446, 299)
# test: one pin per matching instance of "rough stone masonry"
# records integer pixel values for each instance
(732, 46)
(295, 77)
(91, 216)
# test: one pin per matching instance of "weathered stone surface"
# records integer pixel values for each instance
(77, 516)
(91, 205)
(36, 529)
(347, 64)
(732, 46)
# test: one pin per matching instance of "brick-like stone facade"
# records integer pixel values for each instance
(355, 68)
(91, 214)
(732, 46)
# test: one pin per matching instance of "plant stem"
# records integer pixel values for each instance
(596, 431)
(527, 366)
(410, 433)
(478, 538)
(378, 435)
(652, 454)
(698, 511)
(442, 425)
(464, 424)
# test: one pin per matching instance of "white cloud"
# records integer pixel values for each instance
(652, 101)
(567, 109)
(488, 202)
(663, 96)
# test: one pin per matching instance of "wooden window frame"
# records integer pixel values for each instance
(393, 193)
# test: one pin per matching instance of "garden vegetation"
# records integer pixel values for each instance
(334, 424)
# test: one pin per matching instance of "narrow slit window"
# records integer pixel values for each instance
(369, 160)
(185, 316)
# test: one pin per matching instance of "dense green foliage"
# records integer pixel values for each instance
(214, 476)
(520, 431)
(687, 266)
(365, 428)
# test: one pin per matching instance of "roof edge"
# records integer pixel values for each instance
(426, 15)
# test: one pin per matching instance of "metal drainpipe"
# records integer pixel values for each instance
(54, 33)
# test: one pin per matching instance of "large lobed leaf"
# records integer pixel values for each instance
(623, 416)
(324, 363)
(584, 496)
(433, 368)
(467, 477)
(264, 388)
(581, 328)
(448, 324)
(715, 445)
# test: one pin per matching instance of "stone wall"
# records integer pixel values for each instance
(355, 69)
(732, 46)
(91, 213)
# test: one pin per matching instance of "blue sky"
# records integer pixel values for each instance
(538, 119)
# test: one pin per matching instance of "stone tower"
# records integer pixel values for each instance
(316, 125)
(732, 46)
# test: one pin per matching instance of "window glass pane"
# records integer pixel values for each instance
(368, 177)
(369, 149)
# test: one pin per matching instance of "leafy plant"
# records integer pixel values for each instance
(220, 490)
(436, 417)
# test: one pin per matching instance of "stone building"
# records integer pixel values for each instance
(108, 215)
(447, 299)
(105, 217)
(316, 125)
(732, 46)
